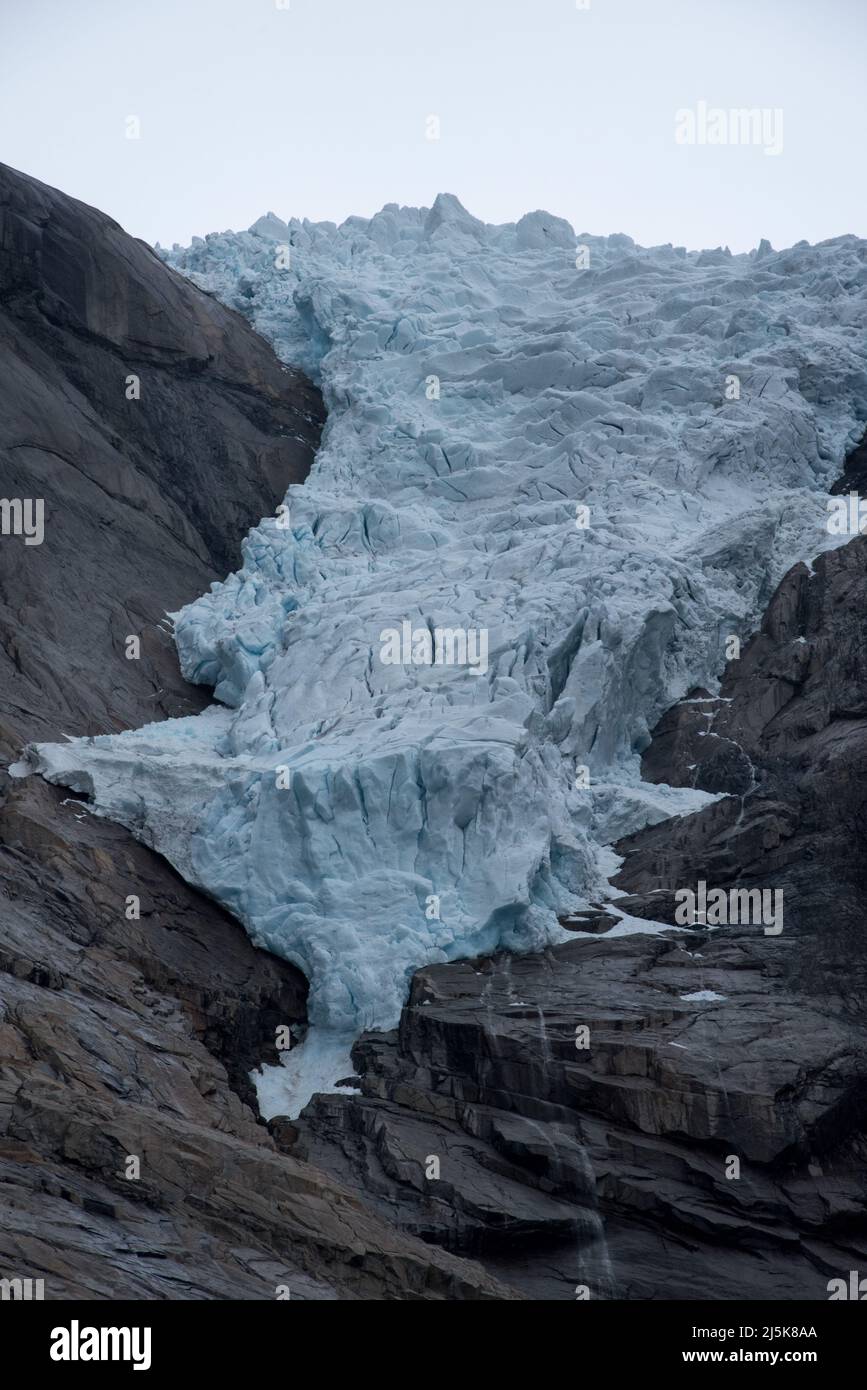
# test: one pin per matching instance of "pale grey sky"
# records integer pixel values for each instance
(319, 110)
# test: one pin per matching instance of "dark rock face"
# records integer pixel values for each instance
(146, 501)
(669, 1115)
(854, 477)
(131, 1038)
(611, 1164)
(128, 1039)
(787, 736)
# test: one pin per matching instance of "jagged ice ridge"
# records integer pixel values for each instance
(559, 386)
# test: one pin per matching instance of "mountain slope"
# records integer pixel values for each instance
(703, 1047)
(145, 499)
(488, 394)
(125, 1036)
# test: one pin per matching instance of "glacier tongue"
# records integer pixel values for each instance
(362, 818)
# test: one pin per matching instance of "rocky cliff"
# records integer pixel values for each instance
(661, 1114)
(156, 427)
(705, 1138)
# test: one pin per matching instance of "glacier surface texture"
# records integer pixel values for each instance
(360, 817)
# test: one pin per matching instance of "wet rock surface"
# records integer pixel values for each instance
(609, 1165)
(707, 1134)
(788, 737)
(129, 1039)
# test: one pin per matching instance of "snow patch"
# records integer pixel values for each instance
(311, 1068)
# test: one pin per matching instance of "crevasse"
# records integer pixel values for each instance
(363, 819)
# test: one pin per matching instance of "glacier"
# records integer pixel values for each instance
(604, 457)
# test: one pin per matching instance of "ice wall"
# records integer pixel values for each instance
(483, 383)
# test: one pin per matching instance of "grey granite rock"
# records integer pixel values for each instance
(709, 1139)
(130, 1037)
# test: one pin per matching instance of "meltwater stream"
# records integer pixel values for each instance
(593, 467)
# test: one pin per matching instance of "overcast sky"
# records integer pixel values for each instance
(321, 110)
